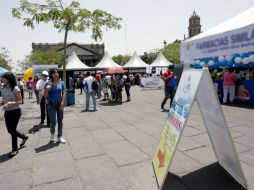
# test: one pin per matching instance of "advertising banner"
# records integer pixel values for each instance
(37, 69)
(174, 124)
(227, 43)
(217, 128)
(152, 82)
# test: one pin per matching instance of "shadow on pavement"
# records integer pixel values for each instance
(46, 147)
(4, 158)
(111, 103)
(241, 105)
(36, 128)
(211, 177)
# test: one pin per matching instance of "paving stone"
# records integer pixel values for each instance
(82, 147)
(191, 131)
(183, 164)
(106, 136)
(248, 170)
(100, 173)
(68, 184)
(23, 160)
(149, 150)
(123, 153)
(96, 125)
(135, 136)
(244, 130)
(53, 167)
(202, 139)
(247, 157)
(149, 128)
(188, 144)
(235, 134)
(241, 148)
(141, 176)
(45, 146)
(245, 140)
(15, 180)
(204, 155)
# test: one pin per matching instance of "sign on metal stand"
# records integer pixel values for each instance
(196, 84)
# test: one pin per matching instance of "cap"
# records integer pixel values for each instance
(45, 73)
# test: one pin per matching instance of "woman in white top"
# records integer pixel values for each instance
(11, 105)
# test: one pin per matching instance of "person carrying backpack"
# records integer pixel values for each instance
(90, 87)
(30, 85)
(170, 87)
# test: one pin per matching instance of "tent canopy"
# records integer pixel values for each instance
(135, 62)
(233, 36)
(161, 61)
(74, 63)
(106, 62)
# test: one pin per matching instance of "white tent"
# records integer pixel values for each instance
(135, 62)
(74, 63)
(233, 36)
(106, 62)
(161, 61)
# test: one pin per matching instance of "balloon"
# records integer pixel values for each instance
(238, 60)
(221, 58)
(27, 74)
(197, 61)
(229, 58)
(251, 58)
(246, 60)
(202, 63)
(211, 63)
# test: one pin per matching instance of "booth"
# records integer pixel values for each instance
(228, 45)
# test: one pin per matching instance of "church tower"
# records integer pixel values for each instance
(194, 25)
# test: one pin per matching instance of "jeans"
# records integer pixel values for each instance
(55, 113)
(127, 89)
(44, 109)
(88, 94)
(169, 93)
(11, 120)
(231, 91)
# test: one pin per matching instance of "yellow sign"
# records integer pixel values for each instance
(164, 154)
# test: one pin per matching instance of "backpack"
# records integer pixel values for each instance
(171, 83)
(95, 85)
(30, 84)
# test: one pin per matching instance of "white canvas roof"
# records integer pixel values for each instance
(135, 62)
(233, 36)
(161, 61)
(106, 62)
(74, 63)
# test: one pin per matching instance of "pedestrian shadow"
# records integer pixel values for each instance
(210, 177)
(46, 147)
(111, 103)
(36, 128)
(241, 105)
(4, 158)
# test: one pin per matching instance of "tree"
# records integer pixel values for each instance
(121, 59)
(149, 57)
(65, 18)
(46, 58)
(172, 52)
(5, 60)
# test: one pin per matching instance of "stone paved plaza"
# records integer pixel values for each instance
(111, 149)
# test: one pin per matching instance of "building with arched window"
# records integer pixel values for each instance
(194, 25)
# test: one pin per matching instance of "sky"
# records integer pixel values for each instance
(145, 25)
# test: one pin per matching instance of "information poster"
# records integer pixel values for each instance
(175, 123)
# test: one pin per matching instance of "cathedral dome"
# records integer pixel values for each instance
(194, 16)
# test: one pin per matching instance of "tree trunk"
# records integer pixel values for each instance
(65, 50)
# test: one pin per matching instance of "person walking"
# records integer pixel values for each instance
(40, 86)
(11, 100)
(90, 89)
(55, 93)
(127, 86)
(20, 84)
(229, 78)
(36, 79)
(81, 79)
(169, 89)
(30, 85)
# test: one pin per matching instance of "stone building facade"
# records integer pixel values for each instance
(194, 25)
(90, 54)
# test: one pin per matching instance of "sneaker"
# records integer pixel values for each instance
(13, 153)
(24, 141)
(52, 138)
(61, 140)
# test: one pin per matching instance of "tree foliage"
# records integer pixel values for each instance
(149, 57)
(121, 59)
(172, 52)
(46, 58)
(65, 17)
(5, 60)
